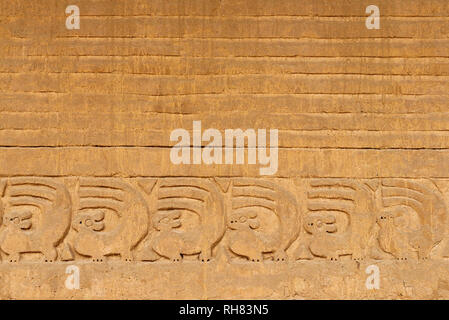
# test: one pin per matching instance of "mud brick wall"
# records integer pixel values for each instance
(86, 179)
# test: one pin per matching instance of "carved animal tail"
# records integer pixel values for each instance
(120, 199)
(289, 216)
(216, 218)
(50, 197)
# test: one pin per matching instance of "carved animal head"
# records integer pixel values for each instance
(243, 221)
(90, 220)
(389, 217)
(383, 219)
(18, 220)
(315, 224)
(164, 221)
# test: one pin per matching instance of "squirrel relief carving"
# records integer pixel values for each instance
(36, 217)
(111, 218)
(340, 218)
(253, 219)
(263, 219)
(188, 220)
(413, 220)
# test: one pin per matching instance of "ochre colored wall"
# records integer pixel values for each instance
(86, 178)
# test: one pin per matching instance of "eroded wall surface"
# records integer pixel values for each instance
(356, 208)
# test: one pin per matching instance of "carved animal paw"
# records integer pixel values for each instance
(14, 258)
(127, 257)
(402, 258)
(256, 259)
(357, 257)
(176, 259)
(204, 257)
(280, 256)
(97, 259)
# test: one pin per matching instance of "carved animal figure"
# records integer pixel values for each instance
(98, 197)
(37, 216)
(326, 242)
(171, 243)
(397, 235)
(172, 238)
(328, 197)
(401, 243)
(243, 241)
(252, 198)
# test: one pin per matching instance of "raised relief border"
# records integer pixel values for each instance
(248, 220)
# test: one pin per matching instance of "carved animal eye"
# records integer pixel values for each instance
(89, 222)
(15, 220)
(242, 219)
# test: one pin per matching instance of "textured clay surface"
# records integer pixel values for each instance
(87, 185)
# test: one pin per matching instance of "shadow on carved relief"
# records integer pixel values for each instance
(246, 219)
(188, 220)
(36, 217)
(110, 218)
(339, 219)
(262, 220)
(373, 219)
(413, 219)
